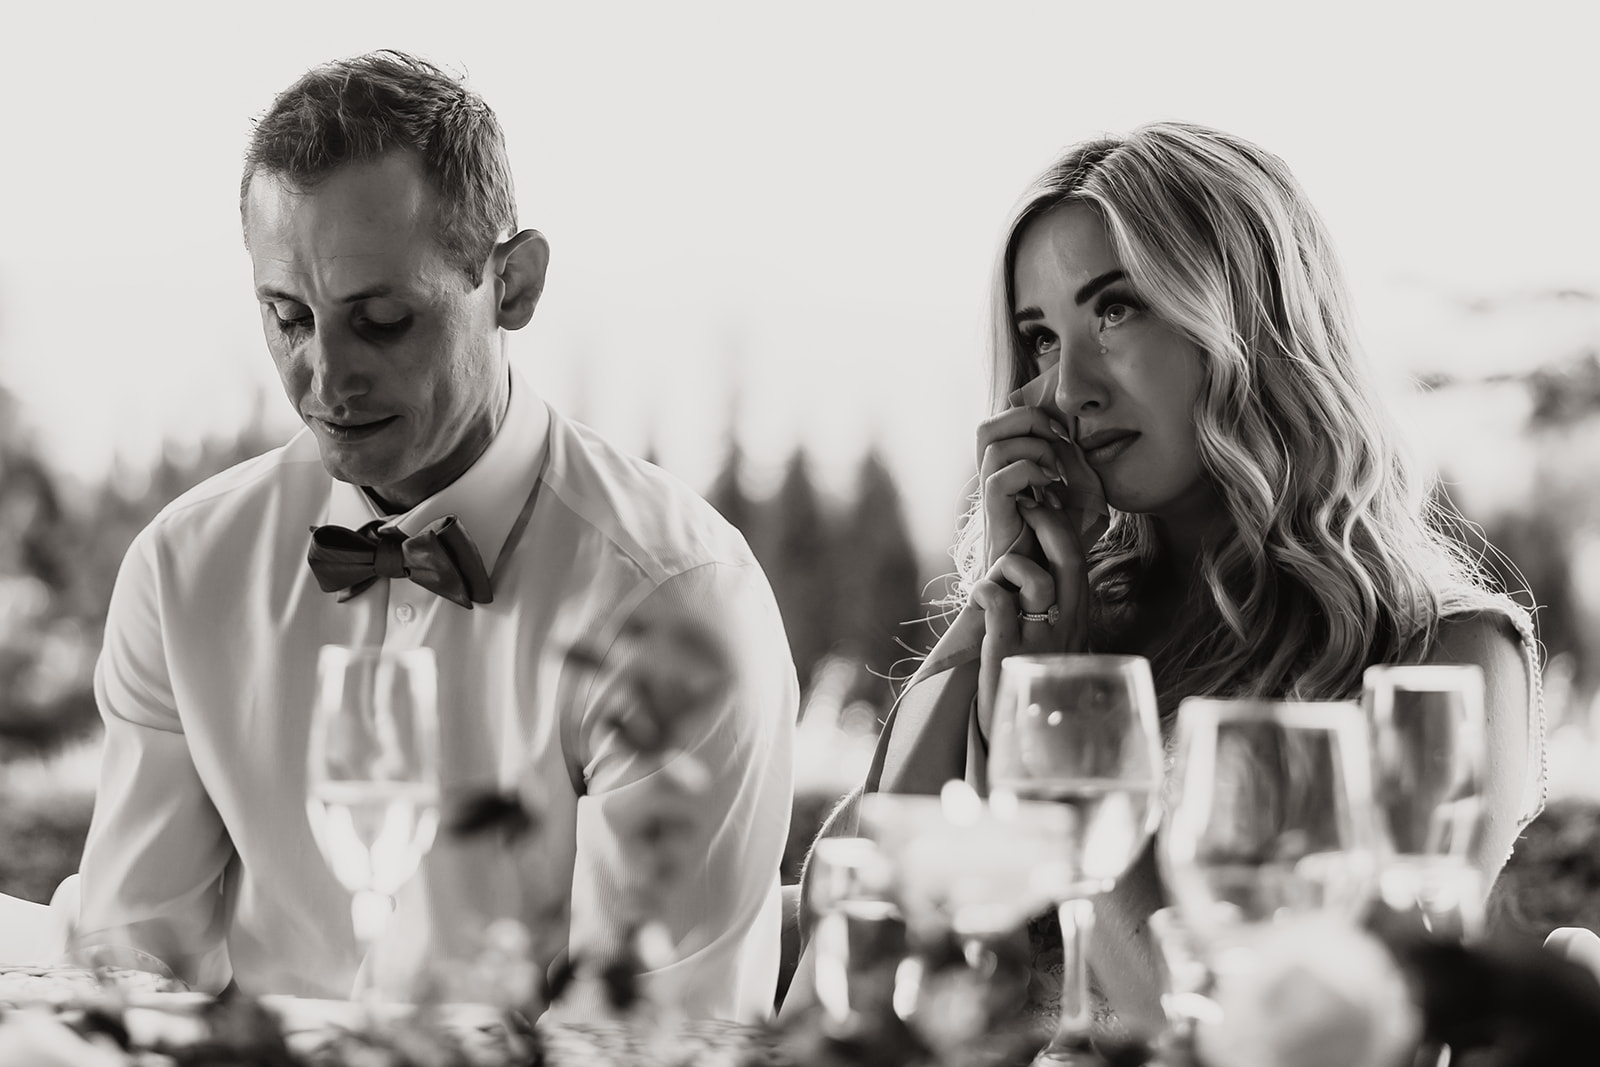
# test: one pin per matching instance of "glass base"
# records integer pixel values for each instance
(1069, 1052)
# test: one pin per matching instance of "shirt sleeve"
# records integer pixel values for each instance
(721, 900)
(152, 867)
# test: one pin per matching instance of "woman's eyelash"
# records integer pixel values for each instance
(1033, 340)
(1110, 300)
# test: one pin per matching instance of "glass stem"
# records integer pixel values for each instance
(1077, 1013)
(369, 915)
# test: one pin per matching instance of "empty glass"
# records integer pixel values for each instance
(1272, 813)
(1428, 735)
(859, 933)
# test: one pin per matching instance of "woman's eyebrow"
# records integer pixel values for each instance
(1094, 285)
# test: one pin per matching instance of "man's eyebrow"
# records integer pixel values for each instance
(266, 292)
(1094, 285)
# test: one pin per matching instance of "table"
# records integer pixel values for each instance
(39, 1002)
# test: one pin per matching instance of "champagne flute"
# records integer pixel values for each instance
(373, 779)
(1080, 731)
(1273, 814)
(1429, 741)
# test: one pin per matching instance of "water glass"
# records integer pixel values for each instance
(1429, 752)
(859, 933)
(1273, 813)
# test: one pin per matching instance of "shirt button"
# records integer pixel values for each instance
(405, 612)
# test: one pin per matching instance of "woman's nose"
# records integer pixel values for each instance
(1080, 384)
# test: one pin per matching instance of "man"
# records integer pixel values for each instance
(379, 217)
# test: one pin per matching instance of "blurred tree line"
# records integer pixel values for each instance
(845, 576)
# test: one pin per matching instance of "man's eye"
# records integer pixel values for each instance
(386, 329)
(292, 325)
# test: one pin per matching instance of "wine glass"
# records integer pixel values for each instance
(1080, 731)
(860, 934)
(1429, 741)
(1273, 813)
(372, 782)
(967, 875)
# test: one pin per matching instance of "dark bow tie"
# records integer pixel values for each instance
(440, 557)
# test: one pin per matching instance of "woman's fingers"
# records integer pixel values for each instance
(1036, 587)
(1056, 530)
(1059, 541)
(1075, 466)
(1001, 638)
(1002, 490)
(1081, 493)
(1015, 584)
(1010, 450)
(1018, 422)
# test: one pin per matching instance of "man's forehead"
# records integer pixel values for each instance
(364, 223)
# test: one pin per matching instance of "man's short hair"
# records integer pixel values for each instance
(358, 110)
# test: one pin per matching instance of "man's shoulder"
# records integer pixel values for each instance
(651, 516)
(245, 492)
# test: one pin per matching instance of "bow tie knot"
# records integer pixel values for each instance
(389, 555)
(440, 557)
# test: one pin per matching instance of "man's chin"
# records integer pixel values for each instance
(342, 465)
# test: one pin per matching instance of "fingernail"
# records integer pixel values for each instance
(1059, 430)
(1055, 473)
(1027, 502)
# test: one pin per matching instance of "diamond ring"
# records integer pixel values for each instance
(1052, 615)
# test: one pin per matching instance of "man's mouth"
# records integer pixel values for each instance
(349, 432)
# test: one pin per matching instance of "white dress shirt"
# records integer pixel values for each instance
(200, 853)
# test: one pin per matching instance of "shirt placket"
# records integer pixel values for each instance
(408, 615)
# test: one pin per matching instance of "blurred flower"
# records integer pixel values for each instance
(32, 1039)
(660, 674)
(1313, 992)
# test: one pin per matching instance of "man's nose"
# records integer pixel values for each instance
(337, 371)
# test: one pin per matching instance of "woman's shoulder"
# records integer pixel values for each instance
(1500, 640)
(1496, 638)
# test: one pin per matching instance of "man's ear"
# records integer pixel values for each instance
(519, 263)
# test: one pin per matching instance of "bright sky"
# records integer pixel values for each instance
(793, 204)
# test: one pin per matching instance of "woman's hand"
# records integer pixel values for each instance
(1015, 457)
(1019, 583)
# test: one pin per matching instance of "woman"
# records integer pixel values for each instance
(1187, 460)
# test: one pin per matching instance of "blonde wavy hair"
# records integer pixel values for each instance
(1339, 550)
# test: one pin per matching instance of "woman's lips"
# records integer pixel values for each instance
(352, 432)
(1107, 448)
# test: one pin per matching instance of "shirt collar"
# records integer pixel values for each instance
(487, 498)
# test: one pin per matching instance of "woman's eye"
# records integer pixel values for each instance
(1114, 309)
(1041, 344)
